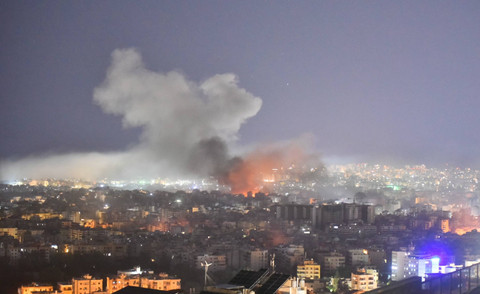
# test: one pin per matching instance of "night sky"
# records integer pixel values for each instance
(379, 81)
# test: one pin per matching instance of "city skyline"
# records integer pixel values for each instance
(385, 82)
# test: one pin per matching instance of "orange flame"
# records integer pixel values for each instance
(258, 168)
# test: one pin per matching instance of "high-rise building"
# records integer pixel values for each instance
(323, 215)
(399, 265)
(293, 212)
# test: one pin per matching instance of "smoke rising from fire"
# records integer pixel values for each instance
(187, 130)
(251, 172)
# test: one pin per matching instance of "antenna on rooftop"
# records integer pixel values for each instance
(272, 262)
(206, 265)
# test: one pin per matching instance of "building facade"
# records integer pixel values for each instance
(308, 270)
(34, 287)
(364, 279)
(87, 285)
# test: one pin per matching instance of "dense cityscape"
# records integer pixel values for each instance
(239, 147)
(344, 229)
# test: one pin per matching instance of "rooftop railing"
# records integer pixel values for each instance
(458, 282)
(462, 281)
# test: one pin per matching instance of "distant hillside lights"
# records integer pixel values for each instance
(365, 176)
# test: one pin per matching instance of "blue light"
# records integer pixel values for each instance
(435, 264)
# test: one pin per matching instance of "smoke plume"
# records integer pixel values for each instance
(186, 126)
(187, 129)
(250, 173)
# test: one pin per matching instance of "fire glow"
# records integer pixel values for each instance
(259, 168)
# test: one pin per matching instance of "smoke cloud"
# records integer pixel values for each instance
(186, 126)
(250, 173)
(187, 131)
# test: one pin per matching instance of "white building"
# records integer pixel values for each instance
(399, 265)
(293, 286)
(405, 265)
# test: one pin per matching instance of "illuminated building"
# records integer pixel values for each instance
(293, 286)
(161, 282)
(87, 285)
(470, 260)
(399, 265)
(65, 288)
(405, 265)
(308, 270)
(76, 217)
(100, 216)
(445, 225)
(446, 269)
(137, 277)
(364, 279)
(419, 266)
(158, 226)
(89, 223)
(34, 287)
(10, 232)
(42, 216)
(121, 281)
(134, 271)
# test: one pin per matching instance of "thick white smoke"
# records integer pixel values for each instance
(186, 126)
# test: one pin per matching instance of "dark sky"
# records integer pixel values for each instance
(390, 81)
